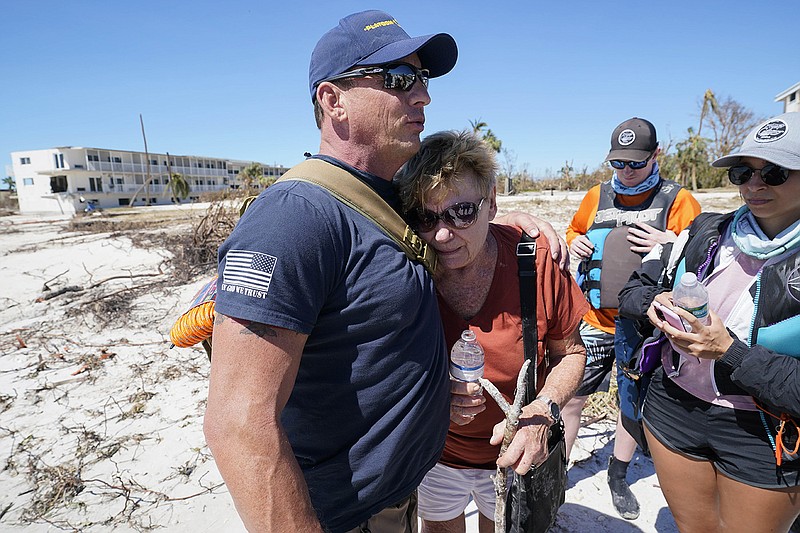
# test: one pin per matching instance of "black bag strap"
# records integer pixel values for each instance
(526, 262)
(357, 195)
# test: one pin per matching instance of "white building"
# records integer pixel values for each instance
(68, 179)
(790, 98)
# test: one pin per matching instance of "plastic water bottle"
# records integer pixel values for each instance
(466, 358)
(692, 296)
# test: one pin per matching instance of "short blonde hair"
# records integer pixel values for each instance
(439, 164)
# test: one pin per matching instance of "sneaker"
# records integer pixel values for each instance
(624, 500)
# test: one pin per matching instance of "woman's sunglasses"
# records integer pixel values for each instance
(457, 216)
(400, 76)
(770, 174)
(634, 165)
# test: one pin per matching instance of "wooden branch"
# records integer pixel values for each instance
(512, 413)
(46, 287)
(495, 394)
(125, 276)
(125, 289)
(78, 288)
(594, 419)
(59, 292)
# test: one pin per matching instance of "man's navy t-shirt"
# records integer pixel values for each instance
(369, 411)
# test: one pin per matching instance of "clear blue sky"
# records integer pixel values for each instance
(229, 78)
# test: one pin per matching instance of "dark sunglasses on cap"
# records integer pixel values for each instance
(400, 76)
(770, 174)
(457, 216)
(634, 165)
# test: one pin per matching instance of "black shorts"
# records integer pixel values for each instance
(734, 441)
(599, 359)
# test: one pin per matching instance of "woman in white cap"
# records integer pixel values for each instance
(722, 413)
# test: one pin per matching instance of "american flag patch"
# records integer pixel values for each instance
(248, 270)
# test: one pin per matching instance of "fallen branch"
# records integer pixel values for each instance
(594, 419)
(46, 287)
(94, 363)
(126, 276)
(512, 413)
(123, 290)
(59, 292)
(205, 491)
(62, 382)
(78, 288)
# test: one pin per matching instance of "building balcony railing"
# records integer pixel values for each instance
(157, 170)
(153, 188)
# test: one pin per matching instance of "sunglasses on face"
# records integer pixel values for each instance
(457, 216)
(634, 165)
(770, 174)
(399, 76)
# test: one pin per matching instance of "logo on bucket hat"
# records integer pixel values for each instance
(372, 38)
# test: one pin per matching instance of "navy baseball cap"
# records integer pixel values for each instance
(375, 38)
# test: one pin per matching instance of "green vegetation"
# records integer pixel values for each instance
(179, 186)
(687, 160)
(481, 128)
(10, 184)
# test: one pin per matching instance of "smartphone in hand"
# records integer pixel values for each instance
(669, 316)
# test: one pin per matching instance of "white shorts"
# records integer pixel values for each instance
(445, 492)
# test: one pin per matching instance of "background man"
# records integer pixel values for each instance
(649, 210)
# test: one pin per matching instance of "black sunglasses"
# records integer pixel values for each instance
(772, 175)
(400, 76)
(634, 165)
(457, 216)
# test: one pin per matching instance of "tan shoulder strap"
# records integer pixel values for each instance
(357, 195)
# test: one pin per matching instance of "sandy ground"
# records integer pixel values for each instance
(101, 422)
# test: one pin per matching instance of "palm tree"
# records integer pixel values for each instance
(695, 146)
(481, 128)
(10, 184)
(692, 154)
(478, 125)
(250, 174)
(146, 185)
(179, 186)
(709, 103)
(566, 174)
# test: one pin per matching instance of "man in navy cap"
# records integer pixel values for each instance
(329, 393)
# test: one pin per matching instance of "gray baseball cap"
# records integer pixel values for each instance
(776, 140)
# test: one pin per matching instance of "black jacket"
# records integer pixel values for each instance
(770, 377)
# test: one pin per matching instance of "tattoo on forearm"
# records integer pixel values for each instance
(219, 319)
(262, 330)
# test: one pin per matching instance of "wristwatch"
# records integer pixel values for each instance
(552, 407)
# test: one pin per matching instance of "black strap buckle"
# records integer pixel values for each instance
(525, 249)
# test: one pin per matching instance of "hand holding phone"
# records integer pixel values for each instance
(669, 316)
